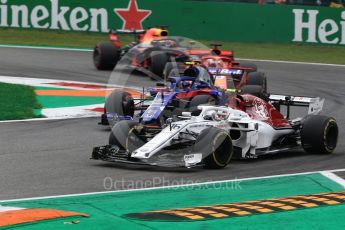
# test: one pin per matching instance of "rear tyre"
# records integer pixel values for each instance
(255, 90)
(105, 56)
(257, 78)
(201, 100)
(248, 65)
(319, 134)
(216, 145)
(126, 135)
(158, 60)
(121, 103)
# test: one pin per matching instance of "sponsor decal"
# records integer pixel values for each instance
(149, 114)
(176, 126)
(260, 108)
(222, 126)
(53, 15)
(192, 158)
(316, 106)
(225, 71)
(309, 27)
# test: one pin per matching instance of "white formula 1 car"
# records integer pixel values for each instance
(212, 138)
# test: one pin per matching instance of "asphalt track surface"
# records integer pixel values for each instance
(42, 158)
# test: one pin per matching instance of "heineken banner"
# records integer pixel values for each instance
(195, 19)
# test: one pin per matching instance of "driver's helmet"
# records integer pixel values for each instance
(216, 115)
(214, 63)
(169, 44)
(191, 72)
(211, 63)
(186, 85)
(220, 63)
(200, 74)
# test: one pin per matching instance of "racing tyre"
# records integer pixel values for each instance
(126, 135)
(158, 60)
(255, 90)
(121, 103)
(319, 134)
(201, 100)
(251, 65)
(257, 78)
(105, 56)
(172, 69)
(216, 146)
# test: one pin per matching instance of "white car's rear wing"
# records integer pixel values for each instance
(314, 104)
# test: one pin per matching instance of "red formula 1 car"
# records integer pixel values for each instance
(107, 54)
(211, 58)
(223, 68)
(151, 50)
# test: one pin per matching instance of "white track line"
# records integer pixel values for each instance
(335, 178)
(172, 186)
(291, 62)
(72, 112)
(47, 119)
(64, 113)
(49, 82)
(336, 170)
(244, 59)
(7, 208)
(46, 48)
(32, 81)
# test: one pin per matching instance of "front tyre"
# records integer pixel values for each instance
(319, 134)
(216, 146)
(127, 135)
(121, 103)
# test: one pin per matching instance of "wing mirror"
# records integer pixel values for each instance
(186, 114)
(169, 121)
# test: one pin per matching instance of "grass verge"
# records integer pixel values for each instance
(289, 52)
(17, 102)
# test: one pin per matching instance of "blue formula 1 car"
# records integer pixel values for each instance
(180, 93)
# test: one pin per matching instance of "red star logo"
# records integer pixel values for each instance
(132, 17)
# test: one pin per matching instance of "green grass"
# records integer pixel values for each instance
(290, 52)
(17, 102)
(52, 38)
